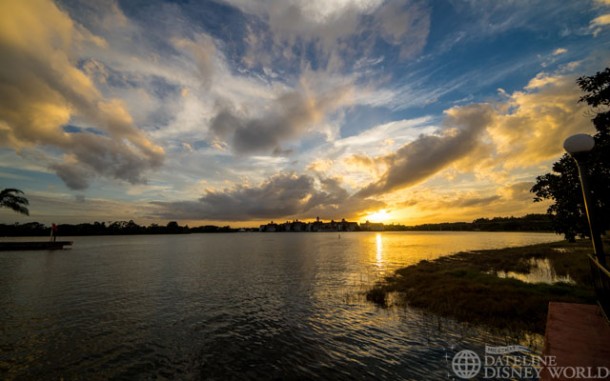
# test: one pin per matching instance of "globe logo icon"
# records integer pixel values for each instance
(466, 364)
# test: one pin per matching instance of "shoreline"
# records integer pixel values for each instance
(465, 286)
(72, 234)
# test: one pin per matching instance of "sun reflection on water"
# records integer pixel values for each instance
(379, 249)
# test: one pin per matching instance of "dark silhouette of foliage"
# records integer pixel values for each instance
(597, 89)
(32, 229)
(562, 185)
(12, 198)
(528, 223)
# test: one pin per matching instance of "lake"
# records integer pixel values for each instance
(229, 306)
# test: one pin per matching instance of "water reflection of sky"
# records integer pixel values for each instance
(382, 253)
(394, 250)
(282, 306)
(541, 271)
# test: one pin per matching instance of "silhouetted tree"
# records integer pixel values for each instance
(562, 185)
(172, 227)
(13, 199)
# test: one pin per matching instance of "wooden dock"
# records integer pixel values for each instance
(577, 336)
(34, 245)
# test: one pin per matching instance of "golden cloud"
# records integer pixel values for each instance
(44, 90)
(532, 125)
(484, 159)
(365, 163)
(601, 20)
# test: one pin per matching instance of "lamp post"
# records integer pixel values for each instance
(579, 146)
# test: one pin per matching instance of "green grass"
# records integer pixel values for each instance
(464, 286)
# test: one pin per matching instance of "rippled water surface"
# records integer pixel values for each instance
(227, 306)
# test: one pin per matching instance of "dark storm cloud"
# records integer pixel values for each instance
(422, 158)
(279, 196)
(283, 195)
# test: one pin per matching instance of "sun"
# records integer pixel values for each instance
(378, 216)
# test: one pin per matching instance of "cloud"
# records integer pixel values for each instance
(333, 201)
(422, 158)
(463, 200)
(202, 51)
(335, 30)
(363, 162)
(358, 169)
(396, 131)
(532, 124)
(291, 116)
(280, 196)
(326, 21)
(529, 125)
(476, 201)
(525, 129)
(58, 207)
(600, 21)
(405, 24)
(72, 175)
(467, 201)
(519, 191)
(320, 165)
(43, 90)
(301, 80)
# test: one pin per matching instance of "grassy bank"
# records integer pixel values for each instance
(465, 285)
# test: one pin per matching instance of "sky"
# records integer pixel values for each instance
(241, 112)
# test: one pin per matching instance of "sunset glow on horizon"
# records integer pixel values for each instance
(242, 112)
(379, 216)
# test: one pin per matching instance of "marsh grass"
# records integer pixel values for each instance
(464, 286)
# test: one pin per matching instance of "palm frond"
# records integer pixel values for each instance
(10, 198)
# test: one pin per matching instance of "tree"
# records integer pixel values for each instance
(562, 185)
(11, 198)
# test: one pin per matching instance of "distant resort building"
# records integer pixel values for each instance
(320, 226)
(372, 226)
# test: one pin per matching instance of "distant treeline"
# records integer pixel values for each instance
(528, 223)
(531, 223)
(112, 228)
